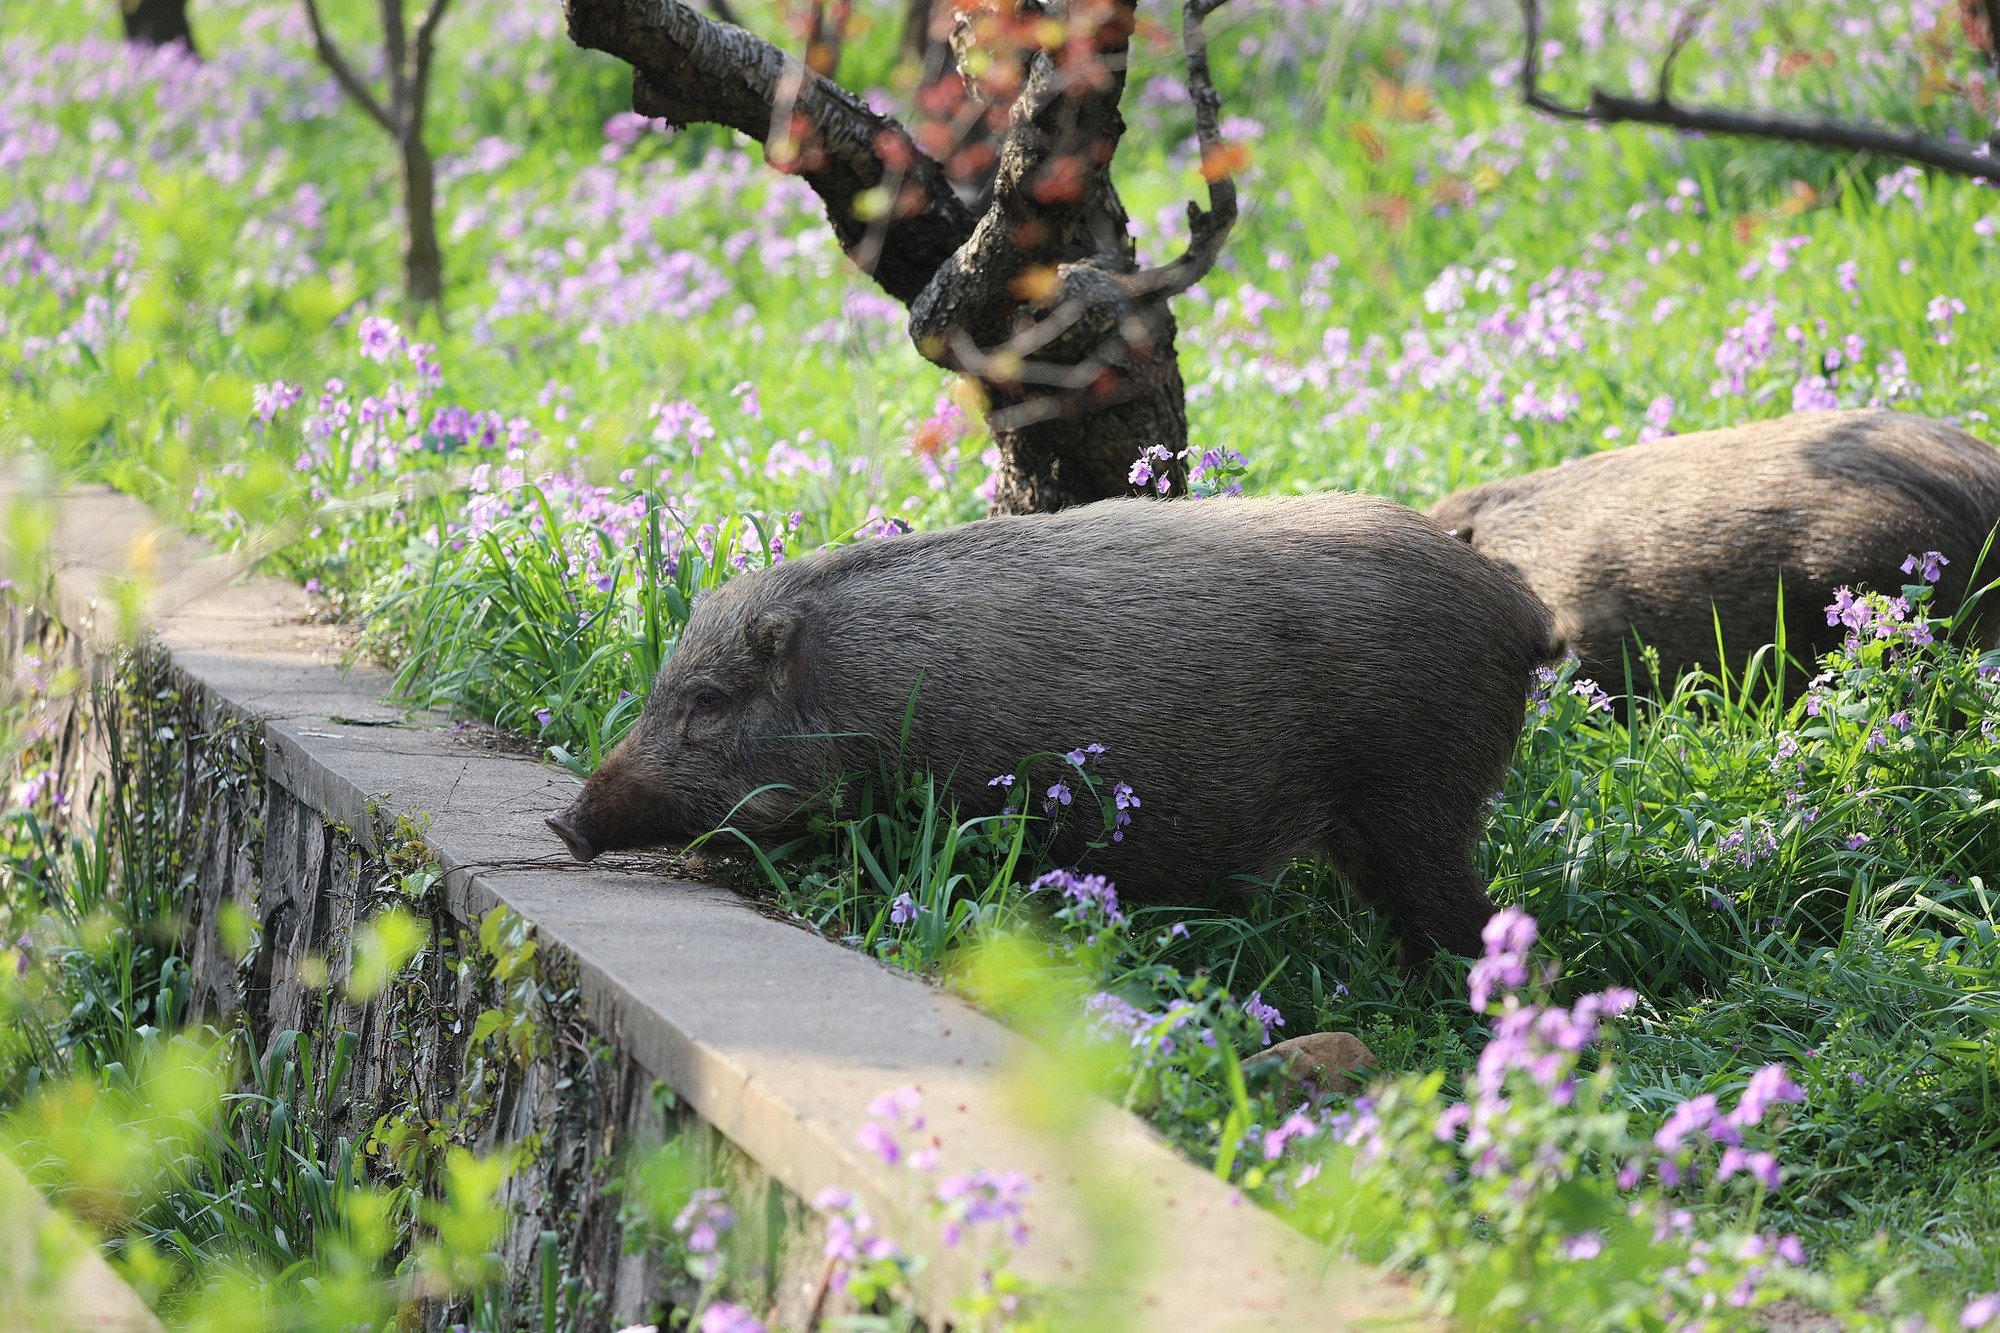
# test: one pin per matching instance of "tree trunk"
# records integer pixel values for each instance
(157, 22)
(1030, 285)
(1075, 459)
(423, 261)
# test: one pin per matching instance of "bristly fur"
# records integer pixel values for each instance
(1329, 674)
(1650, 538)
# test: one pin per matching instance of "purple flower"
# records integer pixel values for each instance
(544, 716)
(1760, 1165)
(1941, 312)
(1124, 801)
(267, 400)
(877, 1138)
(1856, 841)
(1692, 1116)
(1767, 1087)
(1058, 795)
(1592, 695)
(1084, 891)
(1849, 610)
(903, 910)
(1143, 470)
(722, 1317)
(1265, 1016)
(1981, 1311)
(1005, 780)
(1509, 934)
(1297, 1126)
(380, 339)
(1084, 754)
(704, 1221)
(1584, 1245)
(1931, 562)
(983, 1196)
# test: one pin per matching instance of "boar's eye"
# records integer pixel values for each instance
(705, 700)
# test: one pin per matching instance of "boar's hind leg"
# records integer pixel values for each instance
(1428, 886)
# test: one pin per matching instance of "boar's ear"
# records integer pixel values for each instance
(1463, 532)
(771, 634)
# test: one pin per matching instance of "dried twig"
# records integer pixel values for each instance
(1610, 108)
(1208, 228)
(343, 73)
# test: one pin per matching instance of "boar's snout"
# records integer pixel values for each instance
(579, 844)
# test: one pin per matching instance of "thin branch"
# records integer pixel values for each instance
(1208, 229)
(829, 35)
(1531, 66)
(1611, 109)
(426, 52)
(344, 74)
(1684, 31)
(1992, 10)
(395, 47)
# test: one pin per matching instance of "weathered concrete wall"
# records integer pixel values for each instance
(251, 849)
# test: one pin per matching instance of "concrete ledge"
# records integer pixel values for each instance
(51, 1276)
(773, 1036)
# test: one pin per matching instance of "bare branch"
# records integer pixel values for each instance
(1610, 109)
(420, 71)
(1684, 31)
(690, 69)
(829, 35)
(344, 74)
(1208, 229)
(1531, 64)
(395, 49)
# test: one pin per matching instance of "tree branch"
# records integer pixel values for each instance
(420, 72)
(344, 74)
(1208, 229)
(395, 49)
(899, 219)
(1610, 109)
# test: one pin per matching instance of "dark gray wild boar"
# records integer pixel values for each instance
(1650, 537)
(1329, 674)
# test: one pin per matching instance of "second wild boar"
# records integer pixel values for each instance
(1664, 540)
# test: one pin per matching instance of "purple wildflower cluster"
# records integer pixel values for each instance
(1088, 900)
(965, 1206)
(1542, 1044)
(701, 1225)
(1699, 1122)
(1210, 472)
(1265, 1016)
(1547, 683)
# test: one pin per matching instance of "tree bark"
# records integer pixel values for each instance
(1039, 298)
(157, 22)
(400, 113)
(423, 261)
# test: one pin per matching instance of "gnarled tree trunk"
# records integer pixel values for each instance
(157, 22)
(1033, 289)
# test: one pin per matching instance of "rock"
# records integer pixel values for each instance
(1319, 1063)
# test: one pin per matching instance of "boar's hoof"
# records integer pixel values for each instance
(1320, 1062)
(579, 846)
